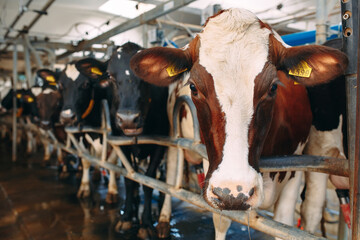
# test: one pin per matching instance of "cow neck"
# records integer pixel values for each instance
(91, 105)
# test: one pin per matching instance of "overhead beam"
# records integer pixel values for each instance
(16, 19)
(158, 11)
(32, 23)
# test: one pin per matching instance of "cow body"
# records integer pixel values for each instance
(140, 108)
(93, 86)
(328, 137)
(243, 83)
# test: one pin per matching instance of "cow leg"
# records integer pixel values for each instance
(321, 143)
(221, 225)
(131, 206)
(285, 205)
(312, 207)
(163, 227)
(147, 228)
(112, 195)
(29, 141)
(84, 189)
(132, 201)
(47, 152)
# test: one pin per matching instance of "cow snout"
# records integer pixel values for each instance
(235, 193)
(67, 116)
(129, 122)
(232, 197)
(45, 124)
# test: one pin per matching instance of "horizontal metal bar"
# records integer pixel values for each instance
(84, 129)
(158, 11)
(328, 165)
(255, 221)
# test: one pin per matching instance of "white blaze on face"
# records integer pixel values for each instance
(234, 50)
(36, 91)
(48, 91)
(72, 72)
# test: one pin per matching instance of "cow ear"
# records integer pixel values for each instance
(160, 66)
(309, 65)
(49, 77)
(91, 67)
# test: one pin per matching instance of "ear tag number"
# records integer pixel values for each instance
(301, 70)
(172, 72)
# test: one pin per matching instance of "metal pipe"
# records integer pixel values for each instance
(255, 221)
(14, 126)
(180, 101)
(16, 19)
(158, 11)
(27, 65)
(349, 13)
(33, 50)
(321, 26)
(32, 23)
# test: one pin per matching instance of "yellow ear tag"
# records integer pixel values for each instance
(18, 95)
(301, 70)
(30, 100)
(50, 79)
(296, 83)
(171, 71)
(96, 71)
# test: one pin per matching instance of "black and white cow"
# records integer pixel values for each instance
(49, 103)
(140, 108)
(328, 137)
(91, 90)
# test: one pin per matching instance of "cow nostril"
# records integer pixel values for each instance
(251, 192)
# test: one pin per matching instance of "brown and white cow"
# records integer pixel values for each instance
(242, 78)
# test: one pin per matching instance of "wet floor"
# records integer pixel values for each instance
(36, 204)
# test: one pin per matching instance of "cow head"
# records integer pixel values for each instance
(29, 103)
(133, 93)
(97, 86)
(49, 100)
(69, 82)
(234, 65)
(48, 77)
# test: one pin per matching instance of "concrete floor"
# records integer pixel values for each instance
(35, 204)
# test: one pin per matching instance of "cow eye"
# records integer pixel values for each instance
(273, 89)
(193, 89)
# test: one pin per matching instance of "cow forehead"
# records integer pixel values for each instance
(234, 49)
(72, 72)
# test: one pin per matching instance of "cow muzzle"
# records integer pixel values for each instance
(67, 117)
(129, 123)
(234, 194)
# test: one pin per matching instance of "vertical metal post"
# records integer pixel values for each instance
(15, 76)
(349, 13)
(321, 17)
(27, 66)
(145, 35)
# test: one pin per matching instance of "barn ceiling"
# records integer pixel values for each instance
(65, 23)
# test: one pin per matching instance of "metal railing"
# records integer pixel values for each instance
(273, 164)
